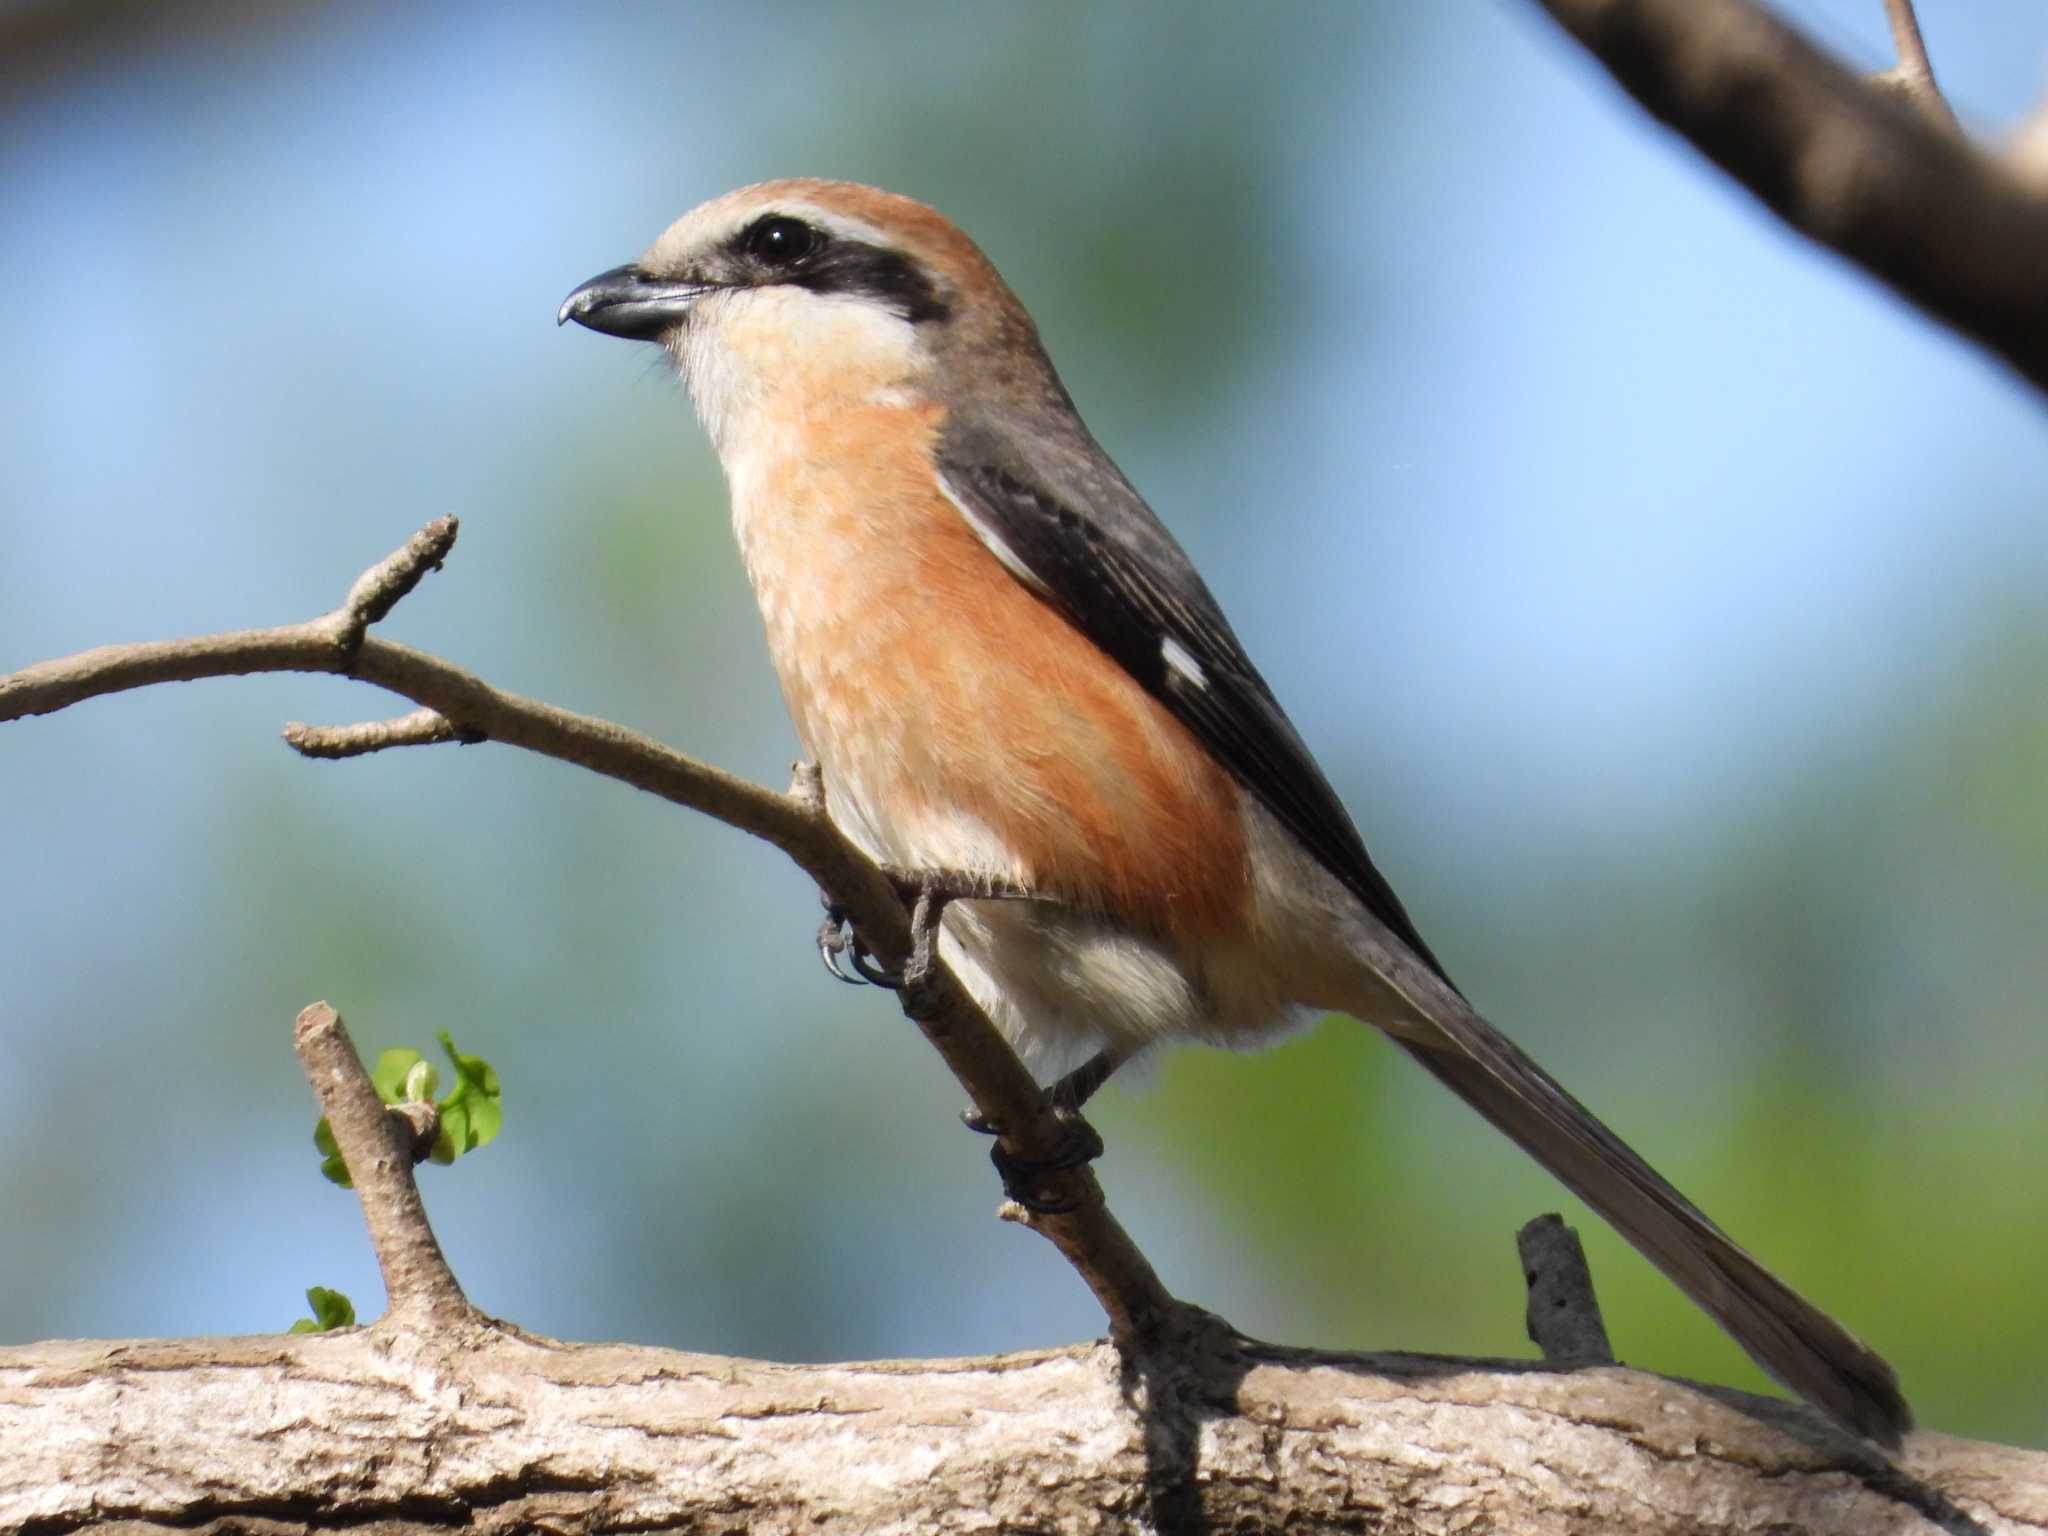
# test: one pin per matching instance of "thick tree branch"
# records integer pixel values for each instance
(1958, 233)
(500, 1433)
(1139, 1308)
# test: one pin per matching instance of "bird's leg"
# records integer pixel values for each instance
(1078, 1142)
(927, 892)
(1067, 1095)
(1078, 1086)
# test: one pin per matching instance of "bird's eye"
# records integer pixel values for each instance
(780, 241)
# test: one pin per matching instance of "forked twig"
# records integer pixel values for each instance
(458, 706)
(377, 1147)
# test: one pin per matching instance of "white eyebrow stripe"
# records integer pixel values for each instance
(1179, 658)
(998, 546)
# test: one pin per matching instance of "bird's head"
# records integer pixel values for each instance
(790, 295)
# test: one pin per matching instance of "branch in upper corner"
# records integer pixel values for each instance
(377, 1146)
(1945, 223)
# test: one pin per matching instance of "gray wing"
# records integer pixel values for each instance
(1060, 515)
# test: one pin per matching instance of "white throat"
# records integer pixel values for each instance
(762, 363)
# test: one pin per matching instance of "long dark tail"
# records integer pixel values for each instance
(1783, 1332)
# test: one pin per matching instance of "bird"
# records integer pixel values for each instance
(1008, 671)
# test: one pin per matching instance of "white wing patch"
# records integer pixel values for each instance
(988, 534)
(1179, 659)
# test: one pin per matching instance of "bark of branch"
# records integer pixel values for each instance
(1848, 163)
(1563, 1317)
(388, 1426)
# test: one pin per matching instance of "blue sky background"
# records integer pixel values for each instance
(1664, 598)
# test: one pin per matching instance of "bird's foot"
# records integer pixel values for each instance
(1079, 1142)
(1024, 1178)
(925, 892)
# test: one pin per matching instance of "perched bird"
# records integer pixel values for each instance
(1006, 668)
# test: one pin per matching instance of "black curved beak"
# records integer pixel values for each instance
(632, 303)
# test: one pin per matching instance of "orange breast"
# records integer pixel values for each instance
(961, 717)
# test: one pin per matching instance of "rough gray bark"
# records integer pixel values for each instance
(487, 1430)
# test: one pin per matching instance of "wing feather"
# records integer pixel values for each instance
(1064, 521)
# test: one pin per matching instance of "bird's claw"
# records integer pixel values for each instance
(833, 943)
(926, 895)
(839, 947)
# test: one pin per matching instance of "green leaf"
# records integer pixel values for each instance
(472, 1070)
(390, 1073)
(473, 1113)
(332, 1168)
(486, 1119)
(452, 1139)
(331, 1310)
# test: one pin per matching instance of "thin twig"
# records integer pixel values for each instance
(421, 728)
(1564, 1316)
(1947, 225)
(330, 643)
(379, 589)
(1091, 1239)
(377, 1147)
(1913, 76)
